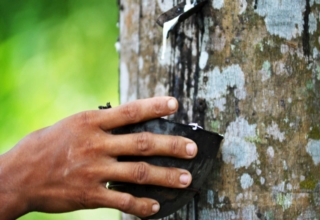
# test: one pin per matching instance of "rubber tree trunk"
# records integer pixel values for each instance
(247, 69)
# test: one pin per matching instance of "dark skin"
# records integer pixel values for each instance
(66, 166)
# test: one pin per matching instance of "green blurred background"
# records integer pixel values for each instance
(56, 58)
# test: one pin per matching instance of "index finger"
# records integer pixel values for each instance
(137, 111)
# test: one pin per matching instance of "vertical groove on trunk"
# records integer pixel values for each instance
(306, 35)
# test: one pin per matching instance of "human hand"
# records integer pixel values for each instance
(66, 166)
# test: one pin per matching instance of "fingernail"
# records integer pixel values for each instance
(155, 208)
(172, 104)
(191, 148)
(184, 179)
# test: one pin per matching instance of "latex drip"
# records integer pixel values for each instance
(167, 26)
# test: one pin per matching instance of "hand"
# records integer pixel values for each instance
(66, 166)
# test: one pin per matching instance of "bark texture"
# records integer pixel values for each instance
(247, 69)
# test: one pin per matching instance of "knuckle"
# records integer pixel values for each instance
(144, 211)
(126, 203)
(90, 172)
(84, 199)
(170, 177)
(143, 142)
(157, 108)
(85, 118)
(140, 173)
(131, 112)
(88, 148)
(89, 144)
(174, 146)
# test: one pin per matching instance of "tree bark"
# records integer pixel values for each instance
(247, 69)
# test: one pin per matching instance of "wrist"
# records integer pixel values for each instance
(13, 203)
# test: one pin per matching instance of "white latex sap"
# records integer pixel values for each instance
(167, 26)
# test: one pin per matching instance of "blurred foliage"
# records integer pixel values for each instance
(56, 58)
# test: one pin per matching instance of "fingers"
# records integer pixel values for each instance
(148, 144)
(127, 203)
(133, 112)
(144, 173)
